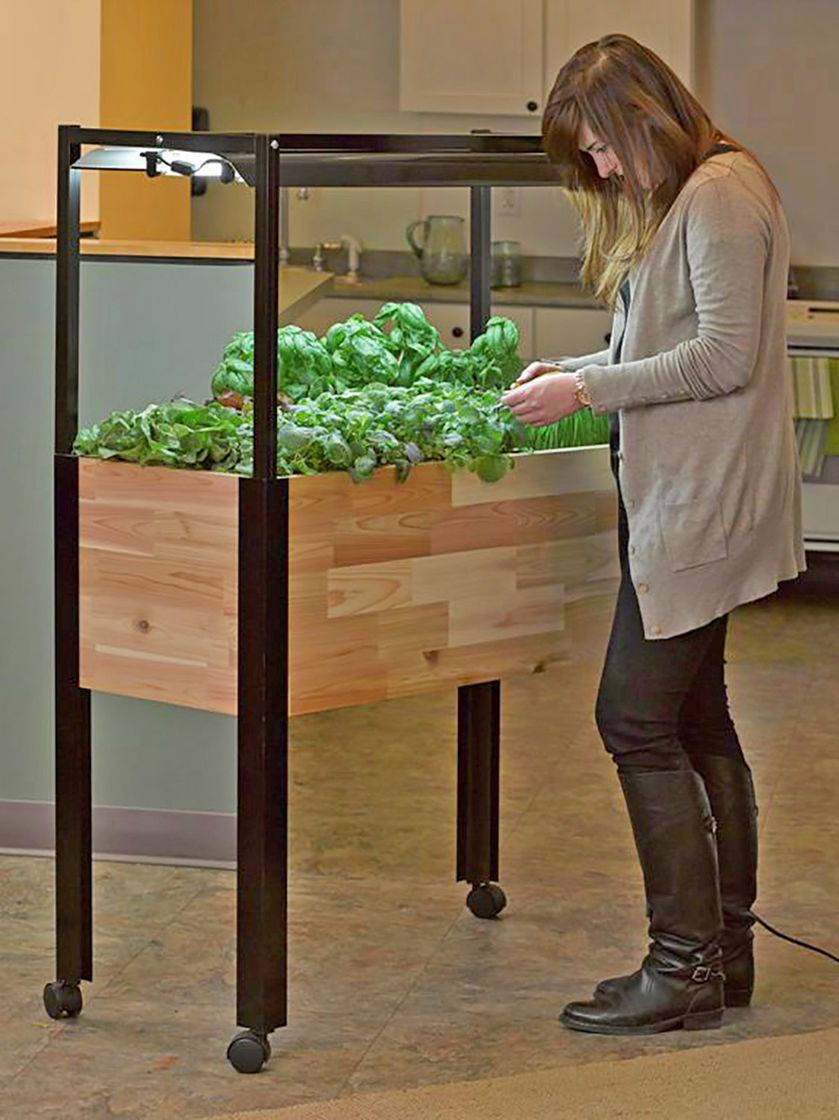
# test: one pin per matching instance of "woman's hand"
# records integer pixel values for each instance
(535, 369)
(539, 397)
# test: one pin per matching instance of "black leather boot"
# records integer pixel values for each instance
(730, 789)
(731, 793)
(680, 982)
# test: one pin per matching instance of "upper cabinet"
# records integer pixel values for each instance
(500, 57)
(472, 56)
(665, 26)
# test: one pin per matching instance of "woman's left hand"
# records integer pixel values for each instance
(543, 400)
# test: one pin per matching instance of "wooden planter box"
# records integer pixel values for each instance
(394, 588)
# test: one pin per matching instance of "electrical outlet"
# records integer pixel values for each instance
(507, 202)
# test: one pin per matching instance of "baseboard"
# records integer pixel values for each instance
(136, 835)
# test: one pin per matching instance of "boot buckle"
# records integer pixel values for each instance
(701, 973)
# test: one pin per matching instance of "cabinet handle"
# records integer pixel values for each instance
(457, 332)
(532, 106)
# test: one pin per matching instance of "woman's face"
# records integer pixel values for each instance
(605, 160)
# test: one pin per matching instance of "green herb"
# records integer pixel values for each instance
(178, 434)
(411, 335)
(367, 395)
(361, 353)
(303, 364)
(499, 345)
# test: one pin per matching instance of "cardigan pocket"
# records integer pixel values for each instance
(693, 532)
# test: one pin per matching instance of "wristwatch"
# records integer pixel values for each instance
(580, 390)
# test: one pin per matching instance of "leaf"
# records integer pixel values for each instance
(491, 468)
(362, 468)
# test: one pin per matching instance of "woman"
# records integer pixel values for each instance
(686, 240)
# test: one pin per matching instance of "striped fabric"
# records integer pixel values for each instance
(812, 396)
(810, 436)
(831, 446)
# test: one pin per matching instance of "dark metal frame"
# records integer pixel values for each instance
(478, 161)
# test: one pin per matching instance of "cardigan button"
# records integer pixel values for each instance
(632, 550)
(655, 630)
(643, 588)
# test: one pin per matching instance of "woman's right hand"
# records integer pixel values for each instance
(535, 369)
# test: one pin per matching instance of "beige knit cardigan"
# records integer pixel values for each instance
(709, 468)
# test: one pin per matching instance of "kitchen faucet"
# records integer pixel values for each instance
(353, 247)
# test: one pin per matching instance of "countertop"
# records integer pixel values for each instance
(41, 229)
(299, 288)
(154, 250)
(413, 288)
(417, 290)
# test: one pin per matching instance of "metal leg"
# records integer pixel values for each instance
(262, 874)
(262, 877)
(479, 705)
(73, 893)
(480, 201)
(478, 784)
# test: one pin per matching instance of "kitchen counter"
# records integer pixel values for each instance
(153, 250)
(41, 229)
(300, 288)
(418, 290)
(413, 288)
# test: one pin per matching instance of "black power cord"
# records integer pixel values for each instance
(181, 167)
(794, 940)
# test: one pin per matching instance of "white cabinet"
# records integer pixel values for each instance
(471, 56)
(569, 332)
(501, 57)
(665, 26)
(450, 319)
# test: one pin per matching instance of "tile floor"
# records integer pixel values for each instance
(392, 981)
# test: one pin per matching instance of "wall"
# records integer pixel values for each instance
(146, 83)
(168, 324)
(332, 66)
(50, 76)
(767, 73)
(765, 68)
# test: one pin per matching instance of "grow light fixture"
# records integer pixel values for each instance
(161, 161)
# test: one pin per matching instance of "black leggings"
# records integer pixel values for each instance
(661, 703)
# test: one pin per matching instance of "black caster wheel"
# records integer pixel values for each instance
(486, 900)
(248, 1052)
(63, 998)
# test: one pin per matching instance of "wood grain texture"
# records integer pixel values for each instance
(395, 588)
(158, 583)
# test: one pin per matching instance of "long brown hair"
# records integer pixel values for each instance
(632, 101)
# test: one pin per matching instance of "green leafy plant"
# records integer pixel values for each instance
(179, 433)
(304, 365)
(369, 394)
(411, 336)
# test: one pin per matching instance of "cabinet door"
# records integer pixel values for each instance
(665, 26)
(471, 56)
(568, 332)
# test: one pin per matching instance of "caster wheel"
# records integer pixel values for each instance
(486, 900)
(62, 998)
(248, 1052)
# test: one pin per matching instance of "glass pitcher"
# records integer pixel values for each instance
(442, 251)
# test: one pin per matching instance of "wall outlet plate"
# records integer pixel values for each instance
(507, 202)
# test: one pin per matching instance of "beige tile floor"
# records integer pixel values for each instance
(392, 981)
